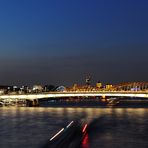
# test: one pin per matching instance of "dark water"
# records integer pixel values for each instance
(28, 127)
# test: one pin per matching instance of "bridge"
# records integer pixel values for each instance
(141, 94)
(133, 90)
(32, 99)
(129, 89)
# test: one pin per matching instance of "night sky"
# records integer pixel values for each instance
(61, 41)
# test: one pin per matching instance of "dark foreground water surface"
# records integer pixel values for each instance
(29, 127)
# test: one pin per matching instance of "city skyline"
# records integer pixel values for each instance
(60, 43)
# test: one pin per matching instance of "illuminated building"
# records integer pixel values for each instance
(87, 80)
(109, 86)
(37, 88)
(99, 84)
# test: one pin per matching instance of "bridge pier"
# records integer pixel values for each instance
(103, 98)
(32, 103)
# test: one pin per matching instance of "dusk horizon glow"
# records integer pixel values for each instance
(61, 42)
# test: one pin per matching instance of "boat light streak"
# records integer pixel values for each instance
(69, 124)
(57, 134)
(84, 129)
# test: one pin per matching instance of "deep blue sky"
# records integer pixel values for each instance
(61, 41)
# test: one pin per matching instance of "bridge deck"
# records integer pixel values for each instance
(142, 94)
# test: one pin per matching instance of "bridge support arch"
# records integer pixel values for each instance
(32, 103)
(103, 98)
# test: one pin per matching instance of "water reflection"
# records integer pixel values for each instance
(32, 127)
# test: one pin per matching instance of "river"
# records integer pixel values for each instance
(31, 127)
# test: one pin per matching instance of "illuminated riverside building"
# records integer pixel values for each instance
(88, 80)
(99, 85)
(37, 88)
(132, 86)
(129, 86)
(108, 86)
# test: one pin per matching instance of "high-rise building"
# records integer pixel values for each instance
(88, 80)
